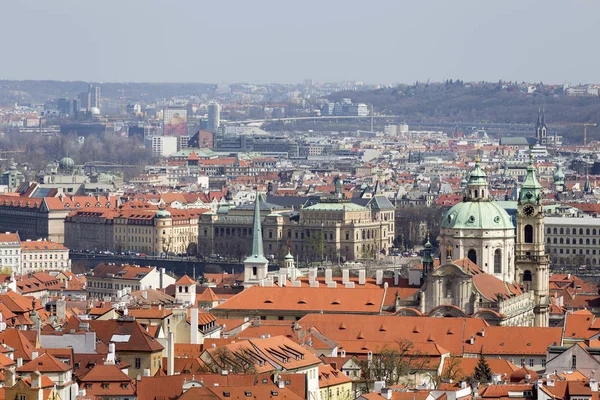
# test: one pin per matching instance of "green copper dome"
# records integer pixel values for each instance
(477, 215)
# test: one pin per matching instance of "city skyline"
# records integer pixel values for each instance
(331, 42)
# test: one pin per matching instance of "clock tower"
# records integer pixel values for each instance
(532, 262)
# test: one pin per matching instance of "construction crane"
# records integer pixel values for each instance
(585, 125)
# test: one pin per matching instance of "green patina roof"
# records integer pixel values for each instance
(477, 176)
(336, 206)
(289, 256)
(477, 215)
(257, 254)
(531, 190)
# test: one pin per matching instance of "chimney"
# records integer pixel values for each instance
(35, 379)
(482, 332)
(145, 295)
(282, 280)
(161, 278)
(146, 372)
(345, 276)
(61, 309)
(593, 385)
(312, 274)
(293, 274)
(34, 355)
(328, 276)
(362, 276)
(194, 326)
(19, 362)
(171, 354)
(396, 277)
(379, 277)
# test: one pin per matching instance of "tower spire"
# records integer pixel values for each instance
(256, 250)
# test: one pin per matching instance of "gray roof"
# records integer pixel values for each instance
(517, 141)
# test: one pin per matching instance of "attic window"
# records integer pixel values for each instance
(268, 301)
(416, 330)
(360, 335)
(248, 394)
(501, 343)
(369, 303)
(301, 301)
(342, 326)
(382, 328)
(528, 344)
(335, 301)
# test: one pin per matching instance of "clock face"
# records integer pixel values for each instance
(528, 210)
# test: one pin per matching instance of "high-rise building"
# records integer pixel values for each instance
(94, 93)
(214, 117)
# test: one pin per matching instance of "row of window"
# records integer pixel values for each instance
(569, 241)
(568, 231)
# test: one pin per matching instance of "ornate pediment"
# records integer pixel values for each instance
(450, 269)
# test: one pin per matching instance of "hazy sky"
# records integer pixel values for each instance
(287, 41)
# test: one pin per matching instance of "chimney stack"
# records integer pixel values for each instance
(362, 276)
(379, 277)
(328, 276)
(345, 276)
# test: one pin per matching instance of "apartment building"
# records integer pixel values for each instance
(573, 241)
(10, 251)
(43, 255)
(112, 280)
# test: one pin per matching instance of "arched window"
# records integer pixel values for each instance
(554, 240)
(567, 241)
(587, 241)
(555, 231)
(528, 233)
(559, 241)
(580, 241)
(561, 231)
(448, 288)
(593, 231)
(527, 276)
(548, 231)
(568, 231)
(472, 255)
(548, 240)
(587, 231)
(476, 193)
(497, 261)
(593, 241)
(581, 231)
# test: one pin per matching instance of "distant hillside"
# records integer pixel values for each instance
(40, 91)
(485, 103)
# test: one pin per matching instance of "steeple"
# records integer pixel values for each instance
(427, 260)
(339, 190)
(477, 186)
(587, 188)
(257, 254)
(531, 190)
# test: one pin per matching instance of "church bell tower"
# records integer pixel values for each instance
(531, 258)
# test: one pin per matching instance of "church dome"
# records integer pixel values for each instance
(477, 215)
(66, 163)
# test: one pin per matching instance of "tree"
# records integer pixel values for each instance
(482, 372)
(240, 361)
(391, 364)
(316, 245)
(451, 371)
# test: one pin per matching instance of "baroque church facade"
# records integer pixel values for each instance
(485, 269)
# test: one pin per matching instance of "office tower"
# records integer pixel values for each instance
(94, 96)
(214, 117)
